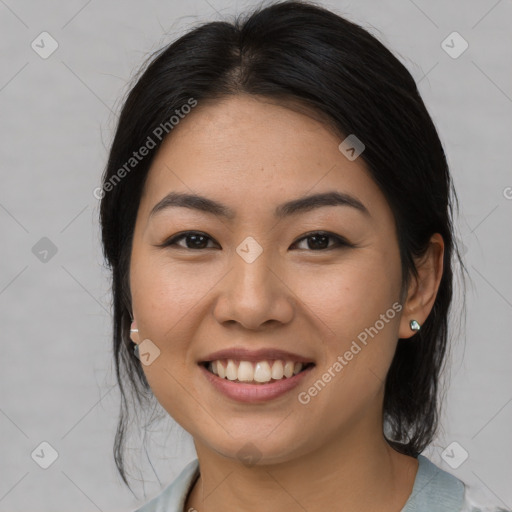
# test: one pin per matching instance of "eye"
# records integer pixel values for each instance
(319, 240)
(193, 240)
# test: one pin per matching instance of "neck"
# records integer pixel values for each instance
(354, 472)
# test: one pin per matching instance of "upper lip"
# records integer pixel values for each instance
(263, 354)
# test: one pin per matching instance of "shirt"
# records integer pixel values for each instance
(434, 490)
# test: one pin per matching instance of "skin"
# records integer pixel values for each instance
(251, 155)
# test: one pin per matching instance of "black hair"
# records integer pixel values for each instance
(298, 53)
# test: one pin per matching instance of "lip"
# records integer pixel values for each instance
(254, 393)
(264, 354)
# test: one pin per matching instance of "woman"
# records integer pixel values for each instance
(277, 215)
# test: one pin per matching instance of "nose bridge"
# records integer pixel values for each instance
(253, 293)
(252, 275)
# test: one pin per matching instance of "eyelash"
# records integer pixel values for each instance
(340, 242)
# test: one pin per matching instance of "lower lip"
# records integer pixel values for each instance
(252, 393)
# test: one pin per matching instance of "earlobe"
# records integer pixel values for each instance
(134, 332)
(411, 311)
(423, 288)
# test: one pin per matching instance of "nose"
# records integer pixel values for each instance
(254, 295)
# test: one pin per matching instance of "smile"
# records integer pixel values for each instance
(260, 372)
(251, 390)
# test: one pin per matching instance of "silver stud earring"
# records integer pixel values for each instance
(414, 325)
(136, 346)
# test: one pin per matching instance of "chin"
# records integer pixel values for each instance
(254, 449)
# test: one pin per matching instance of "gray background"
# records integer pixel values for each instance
(57, 120)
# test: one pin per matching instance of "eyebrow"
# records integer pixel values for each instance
(295, 206)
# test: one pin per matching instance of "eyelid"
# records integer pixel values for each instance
(339, 240)
(171, 241)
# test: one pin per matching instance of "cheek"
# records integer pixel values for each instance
(357, 303)
(164, 294)
(164, 297)
(350, 296)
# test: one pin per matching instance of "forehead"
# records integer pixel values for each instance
(252, 153)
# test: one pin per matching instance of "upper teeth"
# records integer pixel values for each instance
(247, 371)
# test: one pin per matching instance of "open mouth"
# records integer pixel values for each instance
(261, 372)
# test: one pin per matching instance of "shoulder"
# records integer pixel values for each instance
(436, 490)
(172, 498)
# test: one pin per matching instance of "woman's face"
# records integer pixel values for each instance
(258, 285)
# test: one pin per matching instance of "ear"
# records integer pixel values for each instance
(134, 336)
(422, 290)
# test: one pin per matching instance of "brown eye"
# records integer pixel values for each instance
(319, 240)
(193, 240)
(316, 241)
